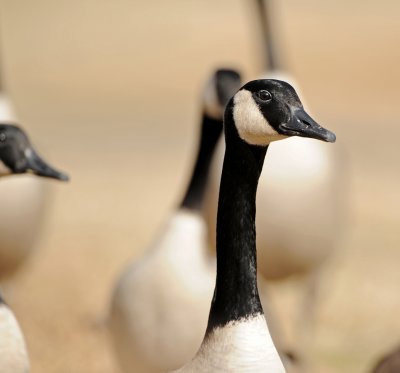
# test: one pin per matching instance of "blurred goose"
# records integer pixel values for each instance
(160, 304)
(237, 338)
(315, 173)
(22, 201)
(17, 156)
(390, 363)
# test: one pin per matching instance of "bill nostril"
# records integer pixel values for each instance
(307, 124)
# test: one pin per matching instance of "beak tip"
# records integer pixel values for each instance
(63, 177)
(331, 137)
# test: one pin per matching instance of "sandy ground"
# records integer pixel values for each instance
(109, 90)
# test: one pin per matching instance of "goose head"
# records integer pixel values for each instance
(17, 156)
(221, 86)
(266, 110)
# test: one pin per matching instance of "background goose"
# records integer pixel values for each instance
(17, 156)
(22, 202)
(55, 79)
(390, 363)
(237, 337)
(160, 304)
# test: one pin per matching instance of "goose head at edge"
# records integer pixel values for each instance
(17, 155)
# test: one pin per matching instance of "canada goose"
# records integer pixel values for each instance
(237, 338)
(22, 201)
(389, 363)
(314, 171)
(160, 304)
(283, 197)
(17, 156)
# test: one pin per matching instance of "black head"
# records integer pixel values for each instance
(222, 85)
(17, 155)
(266, 110)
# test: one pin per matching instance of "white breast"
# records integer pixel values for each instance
(160, 306)
(241, 347)
(13, 354)
(300, 207)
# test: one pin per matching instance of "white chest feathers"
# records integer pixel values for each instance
(13, 354)
(160, 306)
(239, 347)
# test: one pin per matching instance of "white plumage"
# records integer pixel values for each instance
(244, 346)
(160, 305)
(13, 353)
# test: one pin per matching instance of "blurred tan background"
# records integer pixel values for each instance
(109, 92)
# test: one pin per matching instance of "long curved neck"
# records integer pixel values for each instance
(272, 58)
(210, 132)
(1, 71)
(236, 293)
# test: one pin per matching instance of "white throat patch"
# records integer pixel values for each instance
(212, 106)
(250, 122)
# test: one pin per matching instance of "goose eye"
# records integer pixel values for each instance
(264, 95)
(3, 137)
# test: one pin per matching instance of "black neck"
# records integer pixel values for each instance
(211, 130)
(236, 293)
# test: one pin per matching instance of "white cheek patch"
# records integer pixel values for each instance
(250, 122)
(212, 106)
(28, 152)
(4, 170)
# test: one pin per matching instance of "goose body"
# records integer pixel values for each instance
(160, 304)
(22, 201)
(237, 337)
(17, 156)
